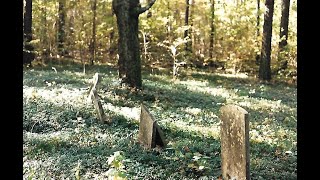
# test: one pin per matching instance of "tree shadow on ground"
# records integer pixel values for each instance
(271, 91)
(178, 154)
(122, 134)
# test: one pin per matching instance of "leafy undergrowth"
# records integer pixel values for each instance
(63, 139)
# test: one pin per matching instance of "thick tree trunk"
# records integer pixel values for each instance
(284, 31)
(93, 39)
(284, 24)
(265, 70)
(212, 30)
(28, 54)
(61, 29)
(127, 12)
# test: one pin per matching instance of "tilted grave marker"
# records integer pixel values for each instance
(95, 100)
(234, 143)
(150, 133)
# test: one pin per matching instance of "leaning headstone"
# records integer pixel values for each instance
(234, 143)
(97, 105)
(95, 100)
(150, 134)
(95, 81)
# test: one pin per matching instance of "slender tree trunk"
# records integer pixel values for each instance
(93, 39)
(169, 22)
(212, 30)
(127, 13)
(258, 30)
(284, 32)
(112, 48)
(191, 32)
(186, 23)
(258, 18)
(265, 69)
(28, 54)
(61, 29)
(71, 32)
(144, 45)
(44, 38)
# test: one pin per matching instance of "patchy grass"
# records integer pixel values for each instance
(62, 137)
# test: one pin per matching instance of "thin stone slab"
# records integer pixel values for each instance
(95, 100)
(234, 143)
(150, 134)
(97, 105)
(95, 81)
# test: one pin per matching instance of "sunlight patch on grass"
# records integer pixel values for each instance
(212, 131)
(194, 83)
(203, 88)
(238, 75)
(131, 113)
(56, 95)
(193, 111)
(258, 103)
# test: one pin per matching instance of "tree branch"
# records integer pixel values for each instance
(144, 9)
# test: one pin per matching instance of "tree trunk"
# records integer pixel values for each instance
(258, 30)
(112, 47)
(28, 54)
(127, 13)
(61, 31)
(93, 39)
(169, 23)
(265, 70)
(258, 18)
(212, 31)
(284, 31)
(44, 41)
(186, 23)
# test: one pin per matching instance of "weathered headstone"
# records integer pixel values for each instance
(95, 81)
(97, 105)
(150, 133)
(95, 100)
(234, 143)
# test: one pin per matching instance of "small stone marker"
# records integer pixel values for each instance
(96, 102)
(150, 133)
(234, 143)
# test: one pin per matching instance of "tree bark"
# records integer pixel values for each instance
(93, 39)
(284, 31)
(28, 54)
(44, 41)
(127, 13)
(186, 23)
(265, 69)
(61, 29)
(258, 30)
(212, 31)
(258, 18)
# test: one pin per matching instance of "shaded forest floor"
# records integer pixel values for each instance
(63, 139)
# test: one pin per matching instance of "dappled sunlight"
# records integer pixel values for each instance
(237, 75)
(193, 111)
(75, 97)
(130, 113)
(59, 119)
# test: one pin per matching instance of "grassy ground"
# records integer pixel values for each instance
(62, 138)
